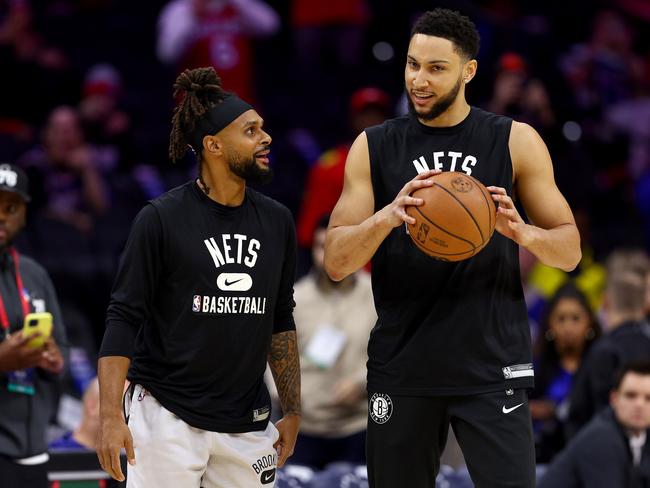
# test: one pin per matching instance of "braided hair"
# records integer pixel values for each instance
(198, 90)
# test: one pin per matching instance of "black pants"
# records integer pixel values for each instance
(406, 436)
(14, 475)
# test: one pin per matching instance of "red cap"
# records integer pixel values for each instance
(364, 97)
(512, 62)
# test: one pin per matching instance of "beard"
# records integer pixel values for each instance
(248, 169)
(439, 107)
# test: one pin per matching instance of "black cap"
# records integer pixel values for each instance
(14, 179)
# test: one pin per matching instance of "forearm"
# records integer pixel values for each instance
(284, 362)
(112, 372)
(349, 248)
(94, 190)
(558, 247)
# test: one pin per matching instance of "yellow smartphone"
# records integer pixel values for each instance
(37, 323)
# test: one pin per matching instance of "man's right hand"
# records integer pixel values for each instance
(395, 212)
(114, 435)
(15, 353)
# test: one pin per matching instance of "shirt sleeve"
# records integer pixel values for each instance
(134, 287)
(285, 304)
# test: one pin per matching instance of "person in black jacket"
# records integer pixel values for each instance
(628, 340)
(28, 375)
(613, 449)
(202, 299)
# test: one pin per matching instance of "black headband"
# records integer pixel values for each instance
(217, 118)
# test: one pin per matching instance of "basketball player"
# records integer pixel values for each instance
(203, 297)
(452, 342)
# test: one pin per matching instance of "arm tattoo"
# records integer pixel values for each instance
(285, 366)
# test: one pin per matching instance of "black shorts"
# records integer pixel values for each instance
(406, 436)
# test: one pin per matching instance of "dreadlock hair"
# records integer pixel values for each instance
(450, 25)
(198, 90)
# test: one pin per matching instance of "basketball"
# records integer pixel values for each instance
(457, 219)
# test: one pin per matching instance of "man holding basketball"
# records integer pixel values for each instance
(452, 342)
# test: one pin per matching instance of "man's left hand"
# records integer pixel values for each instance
(509, 222)
(52, 359)
(288, 427)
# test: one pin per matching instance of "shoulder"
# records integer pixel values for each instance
(271, 205)
(171, 198)
(388, 127)
(600, 435)
(524, 139)
(273, 209)
(489, 119)
(29, 265)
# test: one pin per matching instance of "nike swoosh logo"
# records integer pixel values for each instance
(508, 410)
(228, 283)
(268, 476)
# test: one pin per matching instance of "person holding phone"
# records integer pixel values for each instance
(32, 345)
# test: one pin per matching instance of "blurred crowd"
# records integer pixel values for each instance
(85, 110)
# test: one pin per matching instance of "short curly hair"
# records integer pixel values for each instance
(451, 25)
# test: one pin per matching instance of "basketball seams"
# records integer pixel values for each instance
(480, 231)
(488, 208)
(447, 232)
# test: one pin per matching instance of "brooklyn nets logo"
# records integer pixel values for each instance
(381, 408)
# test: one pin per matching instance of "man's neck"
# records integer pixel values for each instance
(224, 187)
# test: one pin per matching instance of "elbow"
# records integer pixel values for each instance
(335, 268)
(335, 273)
(573, 262)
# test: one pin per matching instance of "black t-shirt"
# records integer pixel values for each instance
(445, 328)
(204, 286)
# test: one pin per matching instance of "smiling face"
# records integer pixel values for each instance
(246, 147)
(435, 75)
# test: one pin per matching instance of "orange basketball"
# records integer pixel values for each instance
(457, 219)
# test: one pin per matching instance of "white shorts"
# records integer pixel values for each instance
(171, 454)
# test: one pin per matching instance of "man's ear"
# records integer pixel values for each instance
(469, 70)
(212, 145)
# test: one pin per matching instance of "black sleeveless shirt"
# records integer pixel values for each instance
(445, 328)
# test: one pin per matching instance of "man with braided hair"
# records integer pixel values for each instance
(202, 299)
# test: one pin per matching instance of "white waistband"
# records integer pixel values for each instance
(33, 460)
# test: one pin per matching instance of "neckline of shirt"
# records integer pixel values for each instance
(415, 122)
(219, 207)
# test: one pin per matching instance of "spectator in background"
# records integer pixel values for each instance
(68, 169)
(27, 58)
(217, 33)
(333, 322)
(568, 329)
(368, 106)
(627, 339)
(604, 70)
(519, 95)
(29, 375)
(612, 450)
(84, 435)
(104, 124)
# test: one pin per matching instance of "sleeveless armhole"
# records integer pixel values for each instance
(373, 134)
